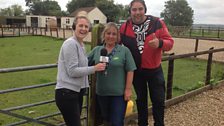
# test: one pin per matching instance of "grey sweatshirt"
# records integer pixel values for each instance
(73, 69)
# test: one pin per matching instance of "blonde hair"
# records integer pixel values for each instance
(80, 15)
(107, 27)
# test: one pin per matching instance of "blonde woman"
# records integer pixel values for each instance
(73, 71)
(113, 86)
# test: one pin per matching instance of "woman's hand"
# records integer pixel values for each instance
(100, 66)
(127, 94)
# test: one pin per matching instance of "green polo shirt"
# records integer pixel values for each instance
(113, 83)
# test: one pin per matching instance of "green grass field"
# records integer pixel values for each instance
(27, 51)
(196, 32)
(30, 50)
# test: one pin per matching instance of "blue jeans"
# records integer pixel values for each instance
(112, 109)
(152, 80)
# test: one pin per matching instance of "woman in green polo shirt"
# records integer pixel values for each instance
(113, 86)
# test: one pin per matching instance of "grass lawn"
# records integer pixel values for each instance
(25, 51)
(36, 50)
(189, 74)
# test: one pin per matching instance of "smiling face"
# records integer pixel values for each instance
(111, 36)
(82, 28)
(137, 11)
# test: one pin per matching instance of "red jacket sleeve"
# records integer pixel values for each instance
(165, 37)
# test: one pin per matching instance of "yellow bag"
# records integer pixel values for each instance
(129, 109)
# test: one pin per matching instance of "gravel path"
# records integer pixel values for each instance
(206, 109)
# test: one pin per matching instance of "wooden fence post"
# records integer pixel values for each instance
(170, 78)
(28, 30)
(209, 67)
(32, 31)
(95, 118)
(19, 30)
(41, 31)
(36, 30)
(2, 32)
(13, 30)
(219, 32)
(51, 31)
(190, 32)
(45, 31)
(64, 33)
(196, 46)
(57, 32)
(203, 32)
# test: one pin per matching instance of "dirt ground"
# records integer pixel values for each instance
(183, 46)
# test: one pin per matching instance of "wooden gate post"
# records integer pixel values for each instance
(209, 67)
(170, 78)
(196, 46)
(95, 118)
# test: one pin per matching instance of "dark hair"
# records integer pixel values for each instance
(141, 1)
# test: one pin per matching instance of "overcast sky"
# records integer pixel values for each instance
(205, 11)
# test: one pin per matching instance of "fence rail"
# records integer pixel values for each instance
(201, 32)
(25, 119)
(62, 33)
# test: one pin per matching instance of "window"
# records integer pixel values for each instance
(46, 19)
(96, 21)
(67, 21)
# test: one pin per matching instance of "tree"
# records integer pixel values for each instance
(52, 7)
(6, 12)
(17, 10)
(14, 10)
(123, 11)
(46, 7)
(109, 9)
(28, 2)
(75, 4)
(177, 13)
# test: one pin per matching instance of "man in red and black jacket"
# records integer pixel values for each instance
(147, 37)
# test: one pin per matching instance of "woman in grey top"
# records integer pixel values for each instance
(73, 71)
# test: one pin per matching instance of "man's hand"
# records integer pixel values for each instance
(154, 42)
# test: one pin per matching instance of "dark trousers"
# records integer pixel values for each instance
(70, 105)
(112, 109)
(153, 80)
